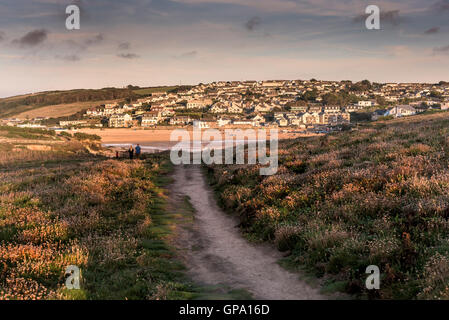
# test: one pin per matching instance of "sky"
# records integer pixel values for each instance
(168, 42)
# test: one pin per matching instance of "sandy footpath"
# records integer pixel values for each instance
(216, 253)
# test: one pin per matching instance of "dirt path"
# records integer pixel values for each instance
(216, 253)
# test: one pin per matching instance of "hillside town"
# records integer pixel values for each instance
(307, 105)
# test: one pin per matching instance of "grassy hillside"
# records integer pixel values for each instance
(17, 105)
(61, 110)
(60, 205)
(341, 202)
(65, 103)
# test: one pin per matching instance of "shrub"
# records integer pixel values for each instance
(26, 133)
(86, 136)
(65, 134)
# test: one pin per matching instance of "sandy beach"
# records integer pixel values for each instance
(159, 137)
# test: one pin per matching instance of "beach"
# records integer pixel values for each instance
(159, 139)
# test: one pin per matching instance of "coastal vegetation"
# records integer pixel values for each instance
(60, 205)
(376, 195)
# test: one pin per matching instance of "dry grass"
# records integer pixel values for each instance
(61, 110)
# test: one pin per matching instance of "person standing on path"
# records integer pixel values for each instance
(131, 152)
(138, 151)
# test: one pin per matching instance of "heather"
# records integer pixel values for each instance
(376, 195)
(62, 206)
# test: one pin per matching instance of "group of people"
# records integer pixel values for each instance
(131, 151)
(136, 151)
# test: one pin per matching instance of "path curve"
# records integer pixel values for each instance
(216, 253)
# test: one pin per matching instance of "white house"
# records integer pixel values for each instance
(243, 123)
(200, 124)
(365, 103)
(235, 108)
(262, 108)
(180, 120)
(332, 109)
(71, 123)
(94, 112)
(299, 109)
(151, 119)
(402, 111)
(223, 122)
(311, 118)
(218, 107)
(198, 104)
(120, 120)
(258, 119)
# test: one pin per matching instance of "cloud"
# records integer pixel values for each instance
(318, 8)
(128, 55)
(253, 23)
(441, 5)
(2, 36)
(186, 55)
(444, 49)
(264, 5)
(99, 38)
(306, 7)
(83, 42)
(432, 30)
(71, 57)
(124, 46)
(81, 6)
(189, 54)
(32, 38)
(391, 17)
